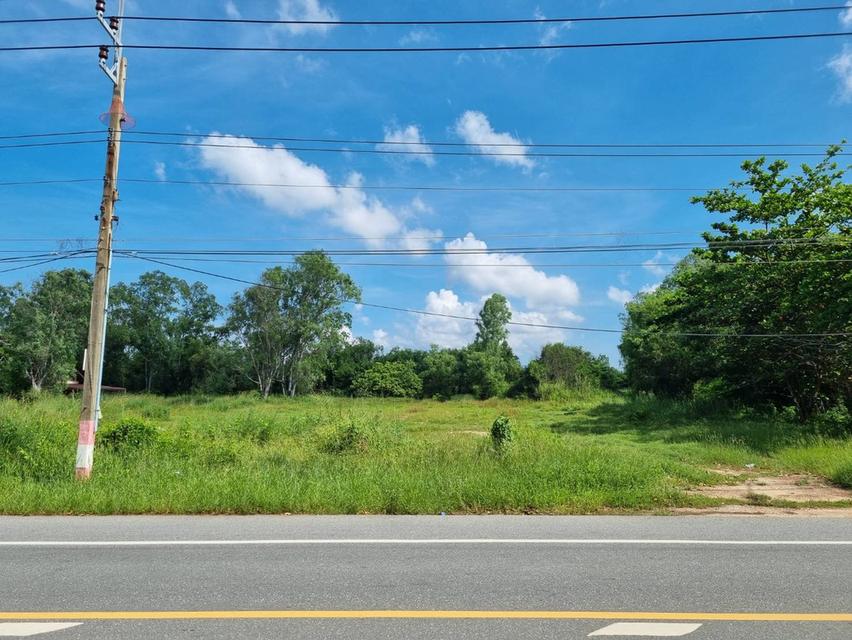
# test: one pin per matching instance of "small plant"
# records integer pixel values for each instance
(501, 433)
(843, 476)
(131, 434)
(344, 438)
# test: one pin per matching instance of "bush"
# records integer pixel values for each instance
(129, 435)
(344, 438)
(501, 433)
(389, 379)
(843, 476)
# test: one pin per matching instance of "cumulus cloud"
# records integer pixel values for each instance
(621, 296)
(381, 338)
(474, 128)
(653, 264)
(408, 139)
(305, 10)
(846, 16)
(650, 288)
(526, 341)
(231, 10)
(443, 331)
(160, 170)
(841, 65)
(512, 275)
(348, 207)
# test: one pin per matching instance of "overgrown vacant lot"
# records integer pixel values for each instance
(589, 453)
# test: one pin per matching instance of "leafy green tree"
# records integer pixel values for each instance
(776, 266)
(490, 367)
(492, 333)
(441, 373)
(389, 379)
(347, 361)
(159, 325)
(290, 322)
(570, 367)
(45, 328)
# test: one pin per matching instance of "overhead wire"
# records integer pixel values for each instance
(445, 22)
(510, 322)
(455, 49)
(380, 151)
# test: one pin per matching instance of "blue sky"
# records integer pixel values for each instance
(769, 92)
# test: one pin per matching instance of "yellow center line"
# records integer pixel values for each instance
(427, 614)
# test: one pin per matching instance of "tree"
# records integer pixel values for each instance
(347, 361)
(289, 323)
(775, 266)
(490, 367)
(45, 328)
(568, 367)
(389, 379)
(491, 326)
(159, 324)
(441, 372)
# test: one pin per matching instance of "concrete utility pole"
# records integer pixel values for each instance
(93, 363)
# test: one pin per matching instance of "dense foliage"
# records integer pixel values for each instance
(779, 265)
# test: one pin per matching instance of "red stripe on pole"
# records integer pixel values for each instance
(87, 432)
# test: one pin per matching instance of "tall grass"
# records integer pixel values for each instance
(585, 453)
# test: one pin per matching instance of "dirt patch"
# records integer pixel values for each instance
(755, 510)
(791, 488)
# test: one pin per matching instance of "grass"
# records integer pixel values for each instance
(591, 453)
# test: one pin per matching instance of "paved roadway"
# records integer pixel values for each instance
(429, 577)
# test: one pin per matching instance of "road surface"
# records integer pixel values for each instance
(493, 577)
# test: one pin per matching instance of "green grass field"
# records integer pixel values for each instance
(594, 453)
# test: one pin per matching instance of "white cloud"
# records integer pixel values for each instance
(160, 170)
(650, 288)
(408, 139)
(305, 10)
(310, 65)
(846, 16)
(420, 239)
(446, 332)
(348, 207)
(381, 338)
(512, 276)
(653, 264)
(621, 296)
(550, 32)
(474, 128)
(841, 65)
(231, 10)
(417, 37)
(526, 341)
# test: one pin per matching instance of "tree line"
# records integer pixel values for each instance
(288, 334)
(760, 316)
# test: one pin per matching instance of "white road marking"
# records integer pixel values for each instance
(655, 629)
(24, 629)
(415, 541)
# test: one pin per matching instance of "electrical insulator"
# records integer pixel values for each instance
(113, 23)
(100, 6)
(103, 53)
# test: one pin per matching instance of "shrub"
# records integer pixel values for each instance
(501, 433)
(843, 476)
(389, 379)
(344, 438)
(129, 435)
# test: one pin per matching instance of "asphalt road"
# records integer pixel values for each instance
(427, 577)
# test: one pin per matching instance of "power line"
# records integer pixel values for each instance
(520, 47)
(511, 322)
(429, 143)
(449, 188)
(456, 22)
(594, 248)
(489, 154)
(537, 265)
